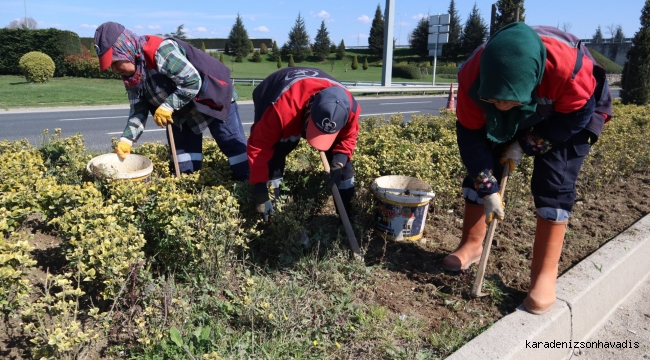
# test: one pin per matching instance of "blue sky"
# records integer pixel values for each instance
(349, 20)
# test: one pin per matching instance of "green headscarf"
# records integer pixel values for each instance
(512, 65)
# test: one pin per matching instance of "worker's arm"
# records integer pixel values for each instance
(172, 62)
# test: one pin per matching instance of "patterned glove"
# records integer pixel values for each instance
(163, 115)
(493, 205)
(512, 155)
(263, 204)
(122, 149)
(335, 175)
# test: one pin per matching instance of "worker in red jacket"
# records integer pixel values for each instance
(300, 102)
(534, 91)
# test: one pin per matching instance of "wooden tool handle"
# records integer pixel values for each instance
(173, 147)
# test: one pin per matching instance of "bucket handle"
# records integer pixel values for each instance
(408, 192)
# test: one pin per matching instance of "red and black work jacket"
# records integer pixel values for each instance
(280, 104)
(573, 96)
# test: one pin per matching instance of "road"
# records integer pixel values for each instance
(98, 125)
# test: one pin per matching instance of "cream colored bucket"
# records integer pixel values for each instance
(401, 207)
(134, 167)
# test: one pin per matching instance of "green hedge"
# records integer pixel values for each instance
(209, 43)
(14, 43)
(609, 65)
(406, 71)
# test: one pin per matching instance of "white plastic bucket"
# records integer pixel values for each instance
(134, 167)
(401, 207)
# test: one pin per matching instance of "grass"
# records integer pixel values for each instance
(16, 92)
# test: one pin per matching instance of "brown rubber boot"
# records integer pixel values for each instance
(471, 243)
(547, 248)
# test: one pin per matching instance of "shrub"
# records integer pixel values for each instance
(221, 58)
(355, 63)
(36, 67)
(87, 66)
(279, 64)
(257, 57)
(202, 46)
(264, 49)
(291, 63)
(406, 71)
(365, 63)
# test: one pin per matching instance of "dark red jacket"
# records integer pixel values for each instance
(280, 103)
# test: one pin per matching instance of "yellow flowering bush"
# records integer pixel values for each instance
(15, 261)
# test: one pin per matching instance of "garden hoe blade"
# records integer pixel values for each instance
(342, 213)
(487, 245)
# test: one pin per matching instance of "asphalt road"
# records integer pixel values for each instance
(98, 125)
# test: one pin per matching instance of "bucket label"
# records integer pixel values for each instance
(400, 222)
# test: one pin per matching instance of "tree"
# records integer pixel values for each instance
(264, 49)
(251, 46)
(355, 62)
(291, 63)
(420, 37)
(619, 36)
(635, 81)
(598, 35)
(257, 57)
(365, 63)
(340, 52)
(202, 46)
(506, 11)
(452, 47)
(376, 38)
(566, 26)
(227, 48)
(238, 40)
(26, 23)
(221, 58)
(179, 33)
(611, 30)
(93, 52)
(298, 43)
(274, 54)
(475, 31)
(332, 48)
(279, 65)
(322, 43)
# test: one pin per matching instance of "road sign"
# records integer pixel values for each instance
(439, 20)
(438, 35)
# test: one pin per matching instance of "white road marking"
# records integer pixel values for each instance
(390, 113)
(120, 132)
(410, 102)
(96, 118)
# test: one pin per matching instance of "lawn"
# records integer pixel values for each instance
(16, 92)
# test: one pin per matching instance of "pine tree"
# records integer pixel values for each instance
(221, 58)
(257, 57)
(202, 46)
(264, 49)
(298, 44)
(179, 33)
(279, 64)
(322, 43)
(598, 35)
(420, 37)
(506, 11)
(619, 36)
(291, 63)
(332, 48)
(252, 47)
(355, 63)
(475, 31)
(274, 54)
(365, 64)
(340, 51)
(238, 40)
(452, 47)
(635, 81)
(376, 38)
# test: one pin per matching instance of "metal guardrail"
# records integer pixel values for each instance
(369, 86)
(397, 89)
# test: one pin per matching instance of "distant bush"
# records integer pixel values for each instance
(87, 66)
(257, 57)
(609, 65)
(37, 67)
(264, 49)
(406, 71)
(355, 63)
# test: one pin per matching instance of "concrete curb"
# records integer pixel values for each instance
(587, 294)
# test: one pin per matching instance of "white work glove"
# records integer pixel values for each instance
(512, 155)
(493, 205)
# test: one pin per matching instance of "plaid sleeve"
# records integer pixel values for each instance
(173, 63)
(137, 117)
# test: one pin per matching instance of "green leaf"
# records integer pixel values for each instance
(206, 333)
(197, 333)
(175, 336)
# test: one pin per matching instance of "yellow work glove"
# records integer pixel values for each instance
(163, 115)
(122, 149)
(512, 155)
(493, 205)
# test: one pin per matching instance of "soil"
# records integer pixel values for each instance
(409, 279)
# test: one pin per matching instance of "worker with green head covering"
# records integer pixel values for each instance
(534, 91)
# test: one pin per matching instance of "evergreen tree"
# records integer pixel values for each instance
(619, 36)
(332, 48)
(291, 63)
(355, 62)
(274, 55)
(322, 43)
(179, 33)
(340, 51)
(252, 47)
(298, 44)
(376, 38)
(279, 64)
(598, 36)
(93, 52)
(257, 57)
(365, 64)
(226, 48)
(635, 81)
(221, 58)
(420, 37)
(452, 47)
(474, 33)
(238, 40)
(506, 11)
(202, 46)
(264, 49)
